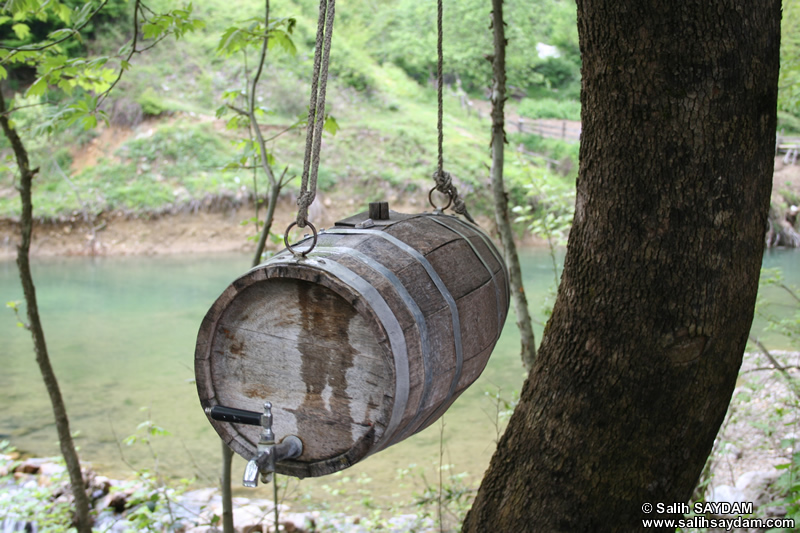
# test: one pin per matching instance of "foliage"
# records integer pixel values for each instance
(788, 484)
(788, 123)
(404, 32)
(552, 149)
(787, 323)
(19, 32)
(30, 502)
(789, 81)
(84, 82)
(548, 213)
(550, 108)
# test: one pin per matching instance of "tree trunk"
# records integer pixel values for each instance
(83, 521)
(641, 355)
(227, 493)
(227, 453)
(528, 348)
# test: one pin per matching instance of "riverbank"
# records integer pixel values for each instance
(759, 436)
(216, 229)
(35, 495)
(219, 224)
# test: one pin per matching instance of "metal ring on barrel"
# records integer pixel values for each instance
(289, 246)
(436, 207)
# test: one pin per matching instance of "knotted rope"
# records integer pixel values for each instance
(316, 110)
(443, 180)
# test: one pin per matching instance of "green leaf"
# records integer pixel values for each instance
(38, 88)
(18, 6)
(331, 126)
(64, 12)
(233, 39)
(84, 14)
(60, 34)
(150, 30)
(282, 39)
(22, 30)
(3, 73)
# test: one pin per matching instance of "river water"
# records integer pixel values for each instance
(121, 333)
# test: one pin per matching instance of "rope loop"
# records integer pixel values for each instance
(444, 184)
(289, 247)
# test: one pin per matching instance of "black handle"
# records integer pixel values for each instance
(237, 416)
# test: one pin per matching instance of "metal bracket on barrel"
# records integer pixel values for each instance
(268, 453)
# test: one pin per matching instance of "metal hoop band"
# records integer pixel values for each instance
(430, 201)
(289, 246)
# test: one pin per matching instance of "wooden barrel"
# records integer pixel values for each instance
(362, 343)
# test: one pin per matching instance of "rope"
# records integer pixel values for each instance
(440, 86)
(316, 110)
(444, 181)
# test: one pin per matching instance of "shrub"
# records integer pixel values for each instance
(550, 108)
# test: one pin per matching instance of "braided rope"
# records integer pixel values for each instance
(316, 110)
(443, 180)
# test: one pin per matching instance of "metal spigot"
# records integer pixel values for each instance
(268, 453)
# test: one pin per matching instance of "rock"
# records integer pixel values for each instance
(51, 470)
(726, 494)
(299, 521)
(30, 484)
(731, 450)
(200, 496)
(250, 517)
(755, 486)
(100, 486)
(119, 500)
(28, 467)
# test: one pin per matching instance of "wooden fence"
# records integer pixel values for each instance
(565, 130)
(790, 146)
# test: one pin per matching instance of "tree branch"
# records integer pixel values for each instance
(59, 41)
(84, 521)
(252, 104)
(776, 365)
(102, 96)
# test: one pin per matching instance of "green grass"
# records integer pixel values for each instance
(550, 108)
(386, 145)
(787, 123)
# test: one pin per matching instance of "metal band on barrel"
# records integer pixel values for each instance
(492, 249)
(384, 313)
(445, 292)
(413, 308)
(480, 258)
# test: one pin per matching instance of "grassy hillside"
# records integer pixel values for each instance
(165, 148)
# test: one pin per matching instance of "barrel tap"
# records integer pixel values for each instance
(268, 453)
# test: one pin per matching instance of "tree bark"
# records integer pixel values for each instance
(527, 340)
(639, 360)
(83, 521)
(227, 493)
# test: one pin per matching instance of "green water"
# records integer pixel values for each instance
(121, 334)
